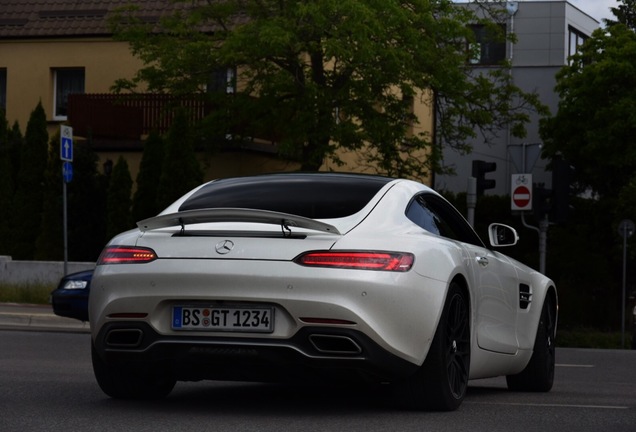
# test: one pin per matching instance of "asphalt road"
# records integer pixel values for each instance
(46, 384)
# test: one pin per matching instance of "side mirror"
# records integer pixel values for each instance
(502, 235)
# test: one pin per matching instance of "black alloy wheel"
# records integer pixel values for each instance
(458, 345)
(538, 376)
(441, 383)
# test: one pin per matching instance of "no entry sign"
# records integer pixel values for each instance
(521, 193)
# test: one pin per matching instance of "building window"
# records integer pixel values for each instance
(576, 40)
(488, 46)
(222, 80)
(3, 89)
(66, 81)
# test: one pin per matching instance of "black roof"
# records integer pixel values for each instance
(312, 195)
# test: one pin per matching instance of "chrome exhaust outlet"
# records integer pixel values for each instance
(124, 338)
(334, 344)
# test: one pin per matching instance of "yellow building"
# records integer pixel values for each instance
(51, 49)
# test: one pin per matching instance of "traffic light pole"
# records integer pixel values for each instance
(471, 200)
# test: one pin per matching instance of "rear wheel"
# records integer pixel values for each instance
(538, 375)
(441, 383)
(122, 382)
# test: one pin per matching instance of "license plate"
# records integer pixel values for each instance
(214, 318)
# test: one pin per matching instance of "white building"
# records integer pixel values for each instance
(547, 32)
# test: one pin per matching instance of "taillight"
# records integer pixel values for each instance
(383, 261)
(126, 255)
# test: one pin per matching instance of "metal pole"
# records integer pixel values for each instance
(626, 229)
(623, 295)
(543, 238)
(543, 243)
(65, 228)
(471, 200)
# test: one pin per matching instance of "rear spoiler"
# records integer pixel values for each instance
(190, 217)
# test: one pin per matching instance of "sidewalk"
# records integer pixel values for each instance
(16, 316)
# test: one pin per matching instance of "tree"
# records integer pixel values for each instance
(595, 125)
(181, 170)
(625, 13)
(10, 146)
(594, 131)
(118, 205)
(317, 76)
(87, 205)
(6, 180)
(29, 194)
(49, 243)
(145, 202)
(15, 141)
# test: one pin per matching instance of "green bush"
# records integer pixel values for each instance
(29, 293)
(590, 338)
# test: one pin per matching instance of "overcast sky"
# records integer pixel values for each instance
(597, 9)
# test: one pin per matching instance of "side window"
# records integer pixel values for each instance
(421, 215)
(66, 81)
(437, 216)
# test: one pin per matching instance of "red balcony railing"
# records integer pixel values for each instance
(128, 117)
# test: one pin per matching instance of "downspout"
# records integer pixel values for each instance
(511, 7)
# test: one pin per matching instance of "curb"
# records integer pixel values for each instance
(29, 317)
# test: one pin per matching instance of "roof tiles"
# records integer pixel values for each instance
(68, 18)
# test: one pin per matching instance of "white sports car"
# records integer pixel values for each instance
(296, 276)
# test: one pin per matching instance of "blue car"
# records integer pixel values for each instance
(70, 298)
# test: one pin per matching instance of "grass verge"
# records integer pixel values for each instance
(591, 338)
(31, 293)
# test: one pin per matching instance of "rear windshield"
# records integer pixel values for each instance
(316, 196)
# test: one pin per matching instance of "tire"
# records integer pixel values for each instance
(441, 383)
(538, 376)
(122, 382)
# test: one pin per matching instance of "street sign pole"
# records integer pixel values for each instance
(65, 229)
(521, 195)
(66, 155)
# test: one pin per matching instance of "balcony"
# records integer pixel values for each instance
(124, 120)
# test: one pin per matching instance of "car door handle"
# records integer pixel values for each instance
(482, 261)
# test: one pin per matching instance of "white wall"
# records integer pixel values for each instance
(46, 272)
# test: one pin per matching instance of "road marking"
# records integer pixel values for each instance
(551, 405)
(576, 365)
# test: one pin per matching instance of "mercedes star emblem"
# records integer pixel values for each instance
(224, 247)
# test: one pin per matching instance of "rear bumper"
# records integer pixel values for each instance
(313, 353)
(399, 312)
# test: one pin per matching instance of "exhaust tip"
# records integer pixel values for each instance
(334, 344)
(128, 338)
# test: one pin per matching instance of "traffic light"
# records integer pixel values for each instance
(480, 168)
(541, 201)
